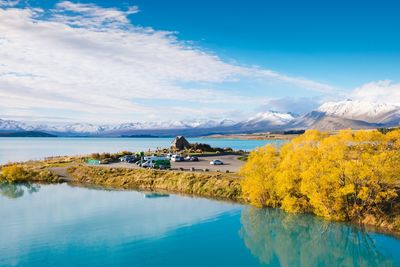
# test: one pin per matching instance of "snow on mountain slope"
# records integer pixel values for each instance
(209, 123)
(172, 125)
(329, 116)
(320, 121)
(349, 114)
(265, 121)
(361, 110)
(11, 125)
(87, 128)
(272, 118)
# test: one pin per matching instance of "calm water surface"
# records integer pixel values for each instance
(61, 225)
(22, 149)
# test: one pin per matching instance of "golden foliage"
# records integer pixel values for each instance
(16, 173)
(261, 166)
(342, 177)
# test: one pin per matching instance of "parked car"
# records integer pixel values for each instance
(128, 158)
(177, 158)
(147, 164)
(157, 164)
(194, 158)
(123, 158)
(216, 162)
(132, 160)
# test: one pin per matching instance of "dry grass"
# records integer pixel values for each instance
(216, 185)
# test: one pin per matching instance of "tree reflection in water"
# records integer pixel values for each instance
(305, 240)
(16, 190)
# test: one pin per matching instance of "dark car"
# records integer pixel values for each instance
(127, 158)
(194, 158)
(132, 160)
(191, 158)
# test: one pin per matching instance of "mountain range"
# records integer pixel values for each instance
(329, 116)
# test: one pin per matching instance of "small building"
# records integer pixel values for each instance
(180, 143)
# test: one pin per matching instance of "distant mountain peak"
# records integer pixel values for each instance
(272, 117)
(359, 110)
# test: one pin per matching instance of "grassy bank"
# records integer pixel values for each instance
(59, 169)
(215, 185)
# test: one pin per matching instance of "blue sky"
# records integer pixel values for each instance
(250, 56)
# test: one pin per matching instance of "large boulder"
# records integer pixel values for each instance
(180, 143)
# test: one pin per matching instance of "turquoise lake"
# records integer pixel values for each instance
(62, 225)
(22, 149)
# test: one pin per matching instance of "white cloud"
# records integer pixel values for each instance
(298, 81)
(92, 60)
(9, 3)
(299, 106)
(90, 15)
(384, 91)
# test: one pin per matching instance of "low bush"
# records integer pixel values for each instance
(17, 173)
(14, 173)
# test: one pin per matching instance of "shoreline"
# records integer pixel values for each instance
(207, 184)
(213, 185)
(240, 201)
(253, 136)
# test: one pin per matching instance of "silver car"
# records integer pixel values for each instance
(216, 162)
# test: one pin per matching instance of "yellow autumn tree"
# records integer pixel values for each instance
(346, 176)
(261, 167)
(296, 157)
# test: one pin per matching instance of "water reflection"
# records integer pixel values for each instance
(155, 195)
(17, 190)
(303, 240)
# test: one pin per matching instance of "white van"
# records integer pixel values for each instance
(177, 158)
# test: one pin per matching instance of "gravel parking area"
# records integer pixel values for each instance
(231, 164)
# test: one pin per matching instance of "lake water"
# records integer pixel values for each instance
(22, 149)
(61, 225)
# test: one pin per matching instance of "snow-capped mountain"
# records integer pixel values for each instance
(270, 120)
(171, 125)
(320, 121)
(124, 128)
(329, 116)
(210, 123)
(349, 114)
(73, 128)
(11, 125)
(360, 110)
